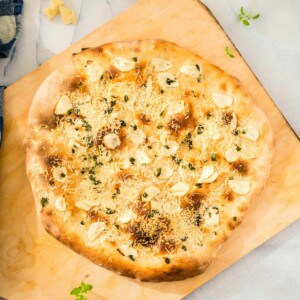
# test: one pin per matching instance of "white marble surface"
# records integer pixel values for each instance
(271, 46)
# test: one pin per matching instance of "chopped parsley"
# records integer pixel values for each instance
(94, 180)
(162, 91)
(116, 225)
(69, 112)
(79, 292)
(135, 59)
(245, 17)
(82, 222)
(51, 182)
(132, 160)
(184, 238)
(198, 67)
(44, 201)
(126, 98)
(149, 147)
(62, 175)
(134, 127)
(113, 103)
(213, 156)
(198, 220)
(118, 191)
(200, 129)
(236, 132)
(234, 218)
(167, 260)
(160, 126)
(122, 123)
(170, 81)
(188, 140)
(238, 148)
(183, 248)
(191, 166)
(86, 126)
(76, 110)
(230, 178)
(109, 211)
(228, 52)
(108, 111)
(131, 257)
(176, 159)
(158, 173)
(145, 195)
(199, 185)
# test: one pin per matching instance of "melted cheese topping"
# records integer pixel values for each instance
(152, 162)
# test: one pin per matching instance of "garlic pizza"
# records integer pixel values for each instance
(143, 157)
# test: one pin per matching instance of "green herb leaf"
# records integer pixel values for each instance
(256, 17)
(167, 260)
(213, 156)
(246, 23)
(158, 173)
(228, 52)
(131, 257)
(44, 201)
(191, 166)
(109, 211)
(132, 160)
(242, 11)
(135, 59)
(183, 248)
(234, 219)
(79, 291)
(126, 98)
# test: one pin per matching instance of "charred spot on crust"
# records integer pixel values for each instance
(182, 121)
(53, 160)
(75, 83)
(241, 166)
(192, 201)
(228, 195)
(227, 118)
(143, 118)
(166, 246)
(113, 72)
(143, 235)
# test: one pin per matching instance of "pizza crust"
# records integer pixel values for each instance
(69, 231)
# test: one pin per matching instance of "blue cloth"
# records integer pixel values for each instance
(10, 20)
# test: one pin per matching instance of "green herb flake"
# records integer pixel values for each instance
(108, 111)
(69, 112)
(82, 222)
(167, 260)
(238, 148)
(44, 201)
(199, 185)
(122, 123)
(234, 218)
(191, 166)
(79, 292)
(183, 248)
(198, 67)
(228, 52)
(198, 220)
(170, 81)
(245, 17)
(135, 59)
(200, 129)
(213, 156)
(149, 147)
(160, 126)
(132, 160)
(109, 211)
(145, 195)
(131, 257)
(118, 191)
(116, 225)
(158, 172)
(126, 98)
(134, 127)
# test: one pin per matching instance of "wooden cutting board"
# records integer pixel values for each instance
(35, 266)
